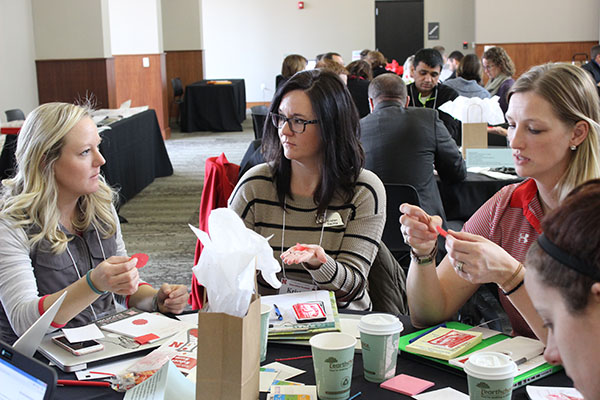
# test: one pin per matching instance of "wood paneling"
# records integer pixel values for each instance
(143, 85)
(526, 55)
(76, 79)
(258, 103)
(186, 65)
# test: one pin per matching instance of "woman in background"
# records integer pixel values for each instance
(468, 80)
(499, 68)
(60, 231)
(313, 191)
(291, 64)
(378, 63)
(359, 77)
(553, 130)
(563, 280)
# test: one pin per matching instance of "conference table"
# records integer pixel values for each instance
(135, 154)
(407, 364)
(210, 105)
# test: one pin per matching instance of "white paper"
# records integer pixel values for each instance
(106, 370)
(474, 109)
(166, 384)
(83, 333)
(490, 158)
(146, 323)
(491, 174)
(310, 390)
(552, 393)
(487, 333)
(188, 318)
(266, 379)
(285, 371)
(442, 394)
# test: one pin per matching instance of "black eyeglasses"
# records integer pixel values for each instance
(297, 125)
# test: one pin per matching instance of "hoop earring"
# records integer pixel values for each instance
(573, 147)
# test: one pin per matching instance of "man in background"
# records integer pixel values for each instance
(452, 64)
(426, 91)
(593, 67)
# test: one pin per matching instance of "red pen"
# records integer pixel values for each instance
(67, 382)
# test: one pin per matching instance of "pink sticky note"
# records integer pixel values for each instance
(142, 259)
(406, 384)
(441, 231)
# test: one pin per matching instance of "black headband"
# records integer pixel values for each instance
(568, 260)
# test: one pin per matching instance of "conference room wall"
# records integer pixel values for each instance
(182, 25)
(18, 86)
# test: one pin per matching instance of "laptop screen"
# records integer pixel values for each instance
(22, 385)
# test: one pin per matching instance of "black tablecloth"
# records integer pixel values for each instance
(462, 199)
(407, 364)
(135, 154)
(219, 108)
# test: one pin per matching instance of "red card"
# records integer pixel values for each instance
(309, 312)
(406, 384)
(441, 231)
(142, 259)
(299, 247)
(146, 338)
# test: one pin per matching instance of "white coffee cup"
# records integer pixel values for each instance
(379, 336)
(490, 375)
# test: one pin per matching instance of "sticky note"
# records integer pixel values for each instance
(146, 338)
(142, 259)
(406, 384)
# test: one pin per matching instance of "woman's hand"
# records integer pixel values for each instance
(118, 274)
(477, 259)
(310, 254)
(498, 130)
(172, 298)
(419, 229)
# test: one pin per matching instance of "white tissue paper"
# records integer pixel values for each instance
(475, 109)
(226, 267)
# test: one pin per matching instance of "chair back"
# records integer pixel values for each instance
(396, 194)
(177, 87)
(259, 116)
(14, 115)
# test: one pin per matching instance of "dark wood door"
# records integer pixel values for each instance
(399, 28)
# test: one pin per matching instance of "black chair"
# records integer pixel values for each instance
(8, 161)
(259, 116)
(177, 96)
(396, 194)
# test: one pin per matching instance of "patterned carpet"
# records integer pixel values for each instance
(159, 215)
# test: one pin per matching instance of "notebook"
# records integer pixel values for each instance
(520, 380)
(32, 338)
(23, 377)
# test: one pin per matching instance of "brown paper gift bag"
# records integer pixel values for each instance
(229, 355)
(474, 136)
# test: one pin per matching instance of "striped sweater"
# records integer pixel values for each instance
(350, 248)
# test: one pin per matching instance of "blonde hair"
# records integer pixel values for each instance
(30, 197)
(573, 97)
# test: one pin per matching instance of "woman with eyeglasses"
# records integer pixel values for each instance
(499, 68)
(325, 212)
(563, 280)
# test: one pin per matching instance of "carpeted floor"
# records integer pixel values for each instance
(159, 215)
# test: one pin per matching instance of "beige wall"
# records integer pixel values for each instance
(536, 21)
(60, 35)
(135, 26)
(181, 24)
(457, 23)
(249, 39)
(18, 84)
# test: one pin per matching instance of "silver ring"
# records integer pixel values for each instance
(459, 266)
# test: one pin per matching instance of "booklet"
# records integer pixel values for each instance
(166, 384)
(146, 327)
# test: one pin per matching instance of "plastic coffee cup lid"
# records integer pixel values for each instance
(490, 365)
(380, 324)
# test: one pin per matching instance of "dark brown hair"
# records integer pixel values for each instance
(360, 69)
(500, 57)
(292, 64)
(470, 68)
(573, 227)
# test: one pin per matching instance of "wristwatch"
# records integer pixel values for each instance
(426, 259)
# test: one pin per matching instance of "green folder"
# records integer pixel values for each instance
(520, 380)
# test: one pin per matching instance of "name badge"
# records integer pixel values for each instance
(334, 219)
(294, 286)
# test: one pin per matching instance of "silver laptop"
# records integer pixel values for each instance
(31, 339)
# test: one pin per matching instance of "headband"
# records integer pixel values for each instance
(568, 260)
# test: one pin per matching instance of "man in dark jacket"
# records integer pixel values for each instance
(593, 67)
(402, 145)
(426, 92)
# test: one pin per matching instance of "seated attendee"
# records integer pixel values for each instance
(553, 131)
(499, 68)
(563, 280)
(426, 92)
(403, 145)
(467, 83)
(378, 63)
(363, 54)
(593, 67)
(60, 231)
(407, 76)
(313, 190)
(333, 56)
(452, 63)
(291, 64)
(359, 76)
(334, 67)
